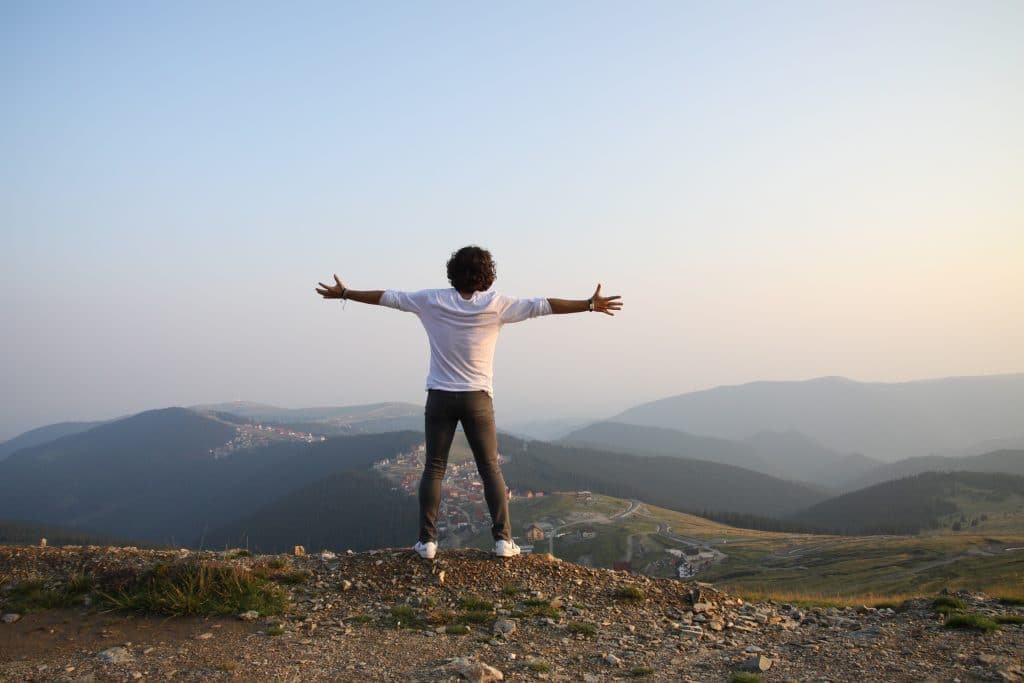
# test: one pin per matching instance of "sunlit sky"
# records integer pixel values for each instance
(778, 190)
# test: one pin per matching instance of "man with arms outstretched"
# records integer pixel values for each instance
(462, 324)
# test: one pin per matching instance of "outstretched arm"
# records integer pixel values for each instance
(340, 291)
(604, 304)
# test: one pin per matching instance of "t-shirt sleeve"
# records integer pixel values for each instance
(514, 310)
(410, 302)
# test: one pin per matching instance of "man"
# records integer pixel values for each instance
(462, 325)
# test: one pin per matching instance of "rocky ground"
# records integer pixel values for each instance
(387, 615)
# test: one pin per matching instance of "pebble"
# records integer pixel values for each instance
(115, 655)
(10, 618)
(476, 672)
(504, 627)
(204, 636)
(612, 660)
(251, 615)
(757, 663)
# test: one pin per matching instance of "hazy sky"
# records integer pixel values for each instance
(779, 191)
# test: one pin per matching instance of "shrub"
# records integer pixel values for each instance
(456, 629)
(1010, 619)
(538, 666)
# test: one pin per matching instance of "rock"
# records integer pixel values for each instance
(988, 659)
(701, 607)
(346, 585)
(477, 672)
(204, 636)
(440, 577)
(611, 660)
(299, 551)
(10, 618)
(327, 555)
(591, 678)
(251, 615)
(42, 542)
(757, 663)
(504, 627)
(115, 655)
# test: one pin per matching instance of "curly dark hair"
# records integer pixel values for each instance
(471, 269)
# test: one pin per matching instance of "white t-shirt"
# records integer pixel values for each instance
(463, 332)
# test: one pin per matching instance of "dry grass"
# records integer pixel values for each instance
(814, 599)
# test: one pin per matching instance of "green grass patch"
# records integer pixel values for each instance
(403, 616)
(456, 629)
(275, 630)
(476, 604)
(1010, 619)
(973, 622)
(277, 563)
(36, 594)
(361, 618)
(476, 616)
(630, 593)
(582, 628)
(198, 588)
(950, 602)
(510, 590)
(745, 677)
(537, 666)
(538, 608)
(639, 671)
(293, 578)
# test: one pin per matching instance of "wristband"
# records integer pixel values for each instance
(590, 304)
(344, 291)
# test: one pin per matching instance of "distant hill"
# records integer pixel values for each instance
(373, 418)
(787, 455)
(41, 435)
(643, 440)
(355, 510)
(671, 482)
(1009, 461)
(12, 532)
(883, 421)
(152, 477)
(913, 504)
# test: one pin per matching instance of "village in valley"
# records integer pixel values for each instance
(579, 526)
(250, 436)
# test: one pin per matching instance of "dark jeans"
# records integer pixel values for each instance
(445, 409)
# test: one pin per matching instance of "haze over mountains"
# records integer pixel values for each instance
(883, 421)
(251, 473)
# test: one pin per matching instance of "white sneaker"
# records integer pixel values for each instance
(506, 549)
(426, 550)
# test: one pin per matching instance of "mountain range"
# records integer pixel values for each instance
(261, 475)
(881, 421)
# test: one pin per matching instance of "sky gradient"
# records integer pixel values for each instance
(778, 191)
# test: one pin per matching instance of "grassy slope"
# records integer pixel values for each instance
(799, 566)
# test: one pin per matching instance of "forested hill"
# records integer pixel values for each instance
(913, 504)
(675, 483)
(152, 477)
